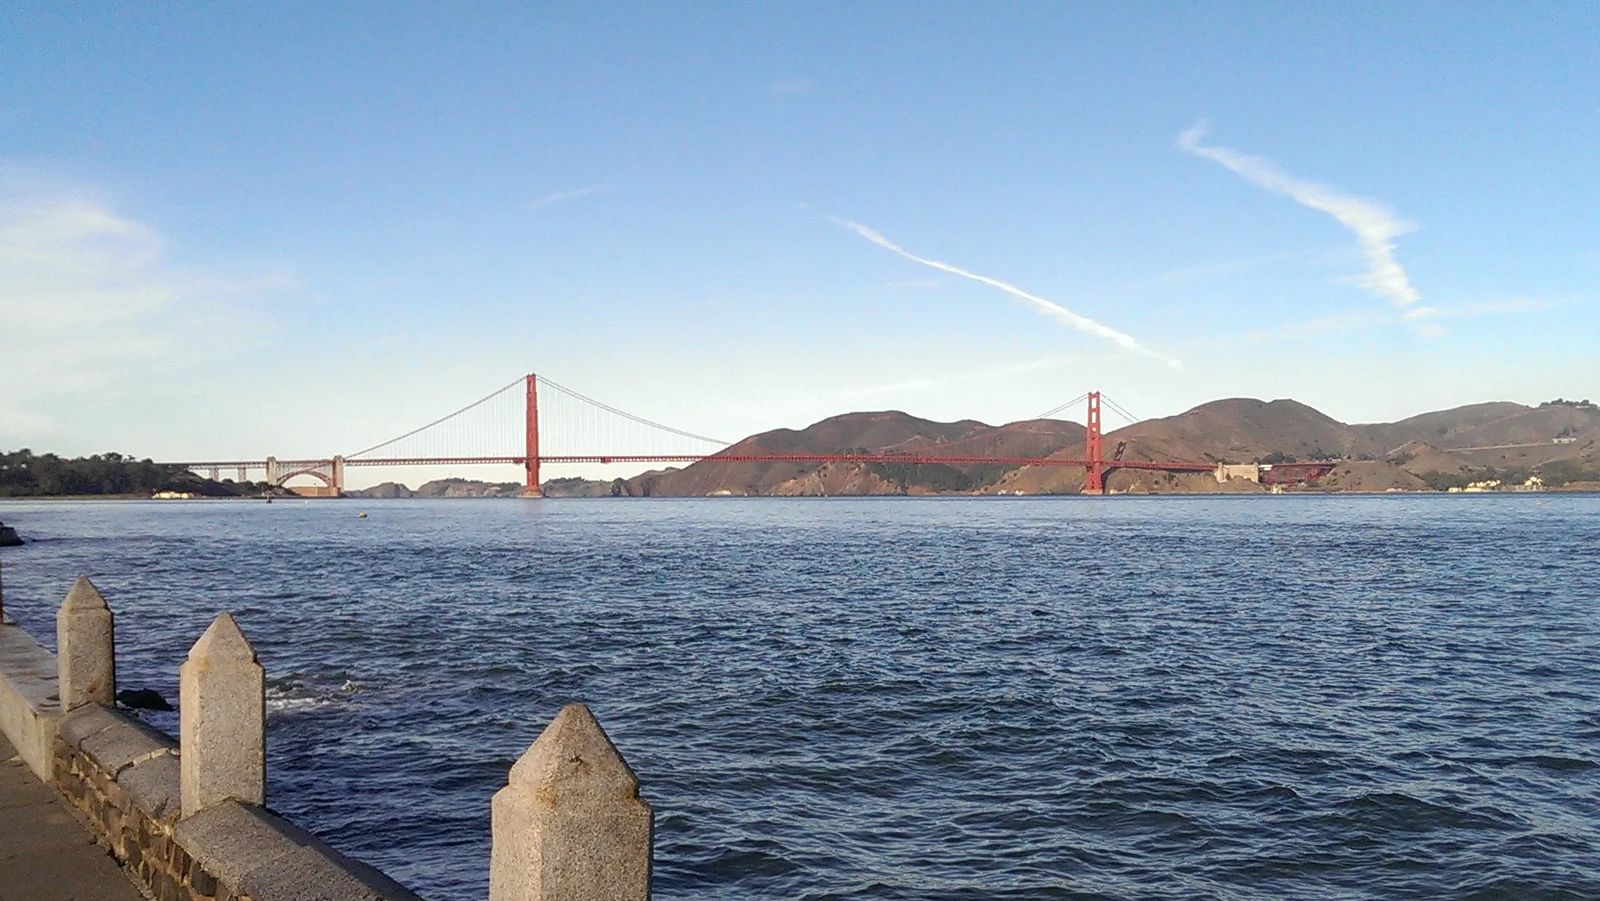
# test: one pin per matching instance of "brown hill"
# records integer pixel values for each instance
(1235, 430)
(1370, 475)
(1446, 444)
(1440, 428)
(1421, 458)
(1502, 435)
(1249, 430)
(1451, 441)
(1493, 426)
(1585, 452)
(889, 431)
(1242, 430)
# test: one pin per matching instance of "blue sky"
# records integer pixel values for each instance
(238, 231)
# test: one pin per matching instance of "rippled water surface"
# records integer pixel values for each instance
(898, 699)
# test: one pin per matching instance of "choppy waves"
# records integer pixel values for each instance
(299, 692)
(915, 699)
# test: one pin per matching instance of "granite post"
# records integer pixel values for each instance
(86, 667)
(222, 720)
(570, 825)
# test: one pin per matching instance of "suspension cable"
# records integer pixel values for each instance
(487, 397)
(1119, 410)
(626, 415)
(1054, 410)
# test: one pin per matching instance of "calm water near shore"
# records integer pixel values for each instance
(911, 698)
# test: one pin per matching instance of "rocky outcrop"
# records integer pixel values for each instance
(468, 488)
(383, 490)
(574, 487)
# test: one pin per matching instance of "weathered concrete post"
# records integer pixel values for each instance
(222, 720)
(86, 668)
(570, 825)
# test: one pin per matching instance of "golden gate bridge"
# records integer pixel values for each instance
(504, 428)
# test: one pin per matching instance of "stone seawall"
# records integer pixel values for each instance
(123, 776)
(187, 818)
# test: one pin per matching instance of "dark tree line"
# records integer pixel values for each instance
(26, 474)
(1564, 472)
(1554, 474)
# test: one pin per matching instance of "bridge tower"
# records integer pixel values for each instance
(1094, 471)
(530, 459)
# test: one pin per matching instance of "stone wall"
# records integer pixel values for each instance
(187, 818)
(123, 776)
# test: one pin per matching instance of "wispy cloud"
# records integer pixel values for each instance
(575, 193)
(1041, 305)
(88, 299)
(1373, 223)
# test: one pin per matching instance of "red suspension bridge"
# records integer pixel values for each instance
(508, 420)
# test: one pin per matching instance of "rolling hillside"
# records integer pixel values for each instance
(888, 431)
(1432, 448)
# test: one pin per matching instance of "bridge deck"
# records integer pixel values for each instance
(45, 851)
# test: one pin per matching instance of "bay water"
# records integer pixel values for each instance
(941, 698)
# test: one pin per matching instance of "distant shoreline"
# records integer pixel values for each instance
(1589, 488)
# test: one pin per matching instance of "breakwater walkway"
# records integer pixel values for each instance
(46, 851)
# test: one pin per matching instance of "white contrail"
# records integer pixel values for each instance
(1047, 307)
(1374, 224)
(564, 196)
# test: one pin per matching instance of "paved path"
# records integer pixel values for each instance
(46, 853)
